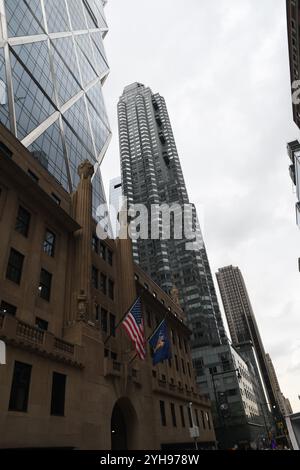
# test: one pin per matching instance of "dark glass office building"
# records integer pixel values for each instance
(152, 174)
(52, 68)
(242, 322)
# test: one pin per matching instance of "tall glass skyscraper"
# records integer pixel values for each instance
(52, 68)
(152, 174)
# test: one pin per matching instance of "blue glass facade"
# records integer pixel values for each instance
(52, 67)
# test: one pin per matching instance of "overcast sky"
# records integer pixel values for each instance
(223, 69)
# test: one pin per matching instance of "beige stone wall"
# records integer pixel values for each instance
(76, 347)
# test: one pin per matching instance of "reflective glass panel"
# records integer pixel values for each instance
(97, 8)
(100, 63)
(31, 105)
(98, 40)
(77, 15)
(35, 57)
(48, 150)
(95, 98)
(76, 153)
(65, 68)
(24, 18)
(4, 111)
(100, 131)
(76, 117)
(56, 15)
(91, 18)
(86, 60)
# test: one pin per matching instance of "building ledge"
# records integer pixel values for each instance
(23, 335)
(171, 389)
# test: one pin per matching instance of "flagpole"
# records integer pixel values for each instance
(149, 337)
(119, 323)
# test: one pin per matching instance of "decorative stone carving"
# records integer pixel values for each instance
(82, 307)
(85, 169)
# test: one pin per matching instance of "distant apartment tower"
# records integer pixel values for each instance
(293, 25)
(115, 202)
(152, 174)
(241, 320)
(52, 68)
(284, 404)
(293, 150)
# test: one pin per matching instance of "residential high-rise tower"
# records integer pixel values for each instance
(152, 174)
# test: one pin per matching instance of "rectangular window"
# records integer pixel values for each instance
(49, 243)
(41, 324)
(23, 221)
(7, 308)
(208, 420)
(102, 250)
(189, 369)
(95, 243)
(97, 312)
(111, 289)
(176, 362)
(58, 394)
(182, 416)
(183, 366)
(173, 414)
(20, 387)
(110, 257)
(15, 266)
(173, 337)
(4, 150)
(104, 319)
(203, 420)
(45, 285)
(33, 176)
(103, 280)
(112, 324)
(190, 417)
(162, 413)
(94, 277)
(149, 319)
(56, 199)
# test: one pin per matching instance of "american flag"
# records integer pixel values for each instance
(134, 326)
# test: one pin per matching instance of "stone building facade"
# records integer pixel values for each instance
(71, 378)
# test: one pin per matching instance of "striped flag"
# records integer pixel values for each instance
(134, 326)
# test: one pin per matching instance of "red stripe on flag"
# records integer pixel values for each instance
(136, 334)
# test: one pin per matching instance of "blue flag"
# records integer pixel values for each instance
(160, 344)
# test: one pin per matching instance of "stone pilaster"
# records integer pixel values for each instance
(83, 255)
(127, 287)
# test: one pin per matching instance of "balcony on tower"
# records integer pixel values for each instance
(162, 137)
(158, 120)
(292, 173)
(155, 104)
(166, 158)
